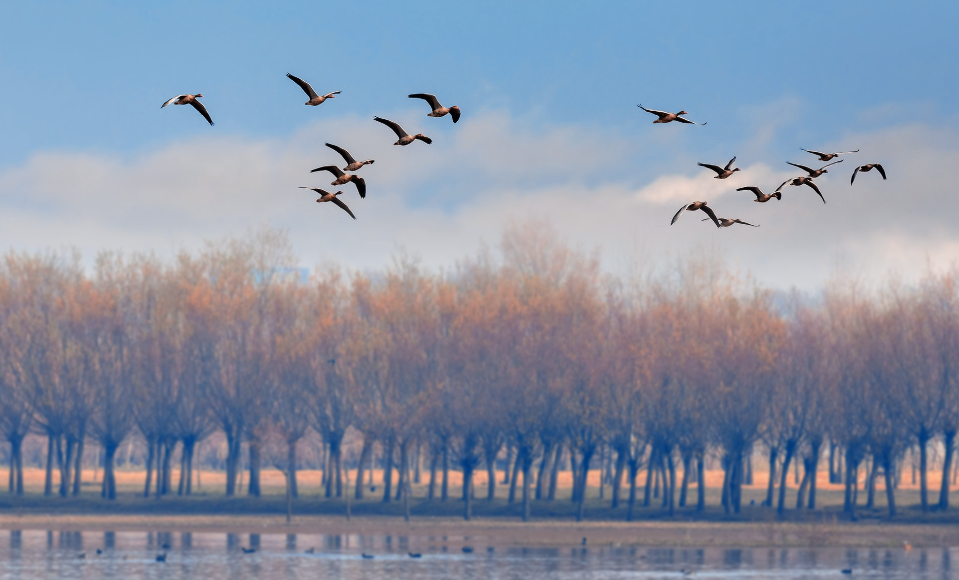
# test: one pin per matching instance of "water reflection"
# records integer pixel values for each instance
(114, 555)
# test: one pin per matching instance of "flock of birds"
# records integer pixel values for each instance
(344, 175)
(728, 170)
(347, 173)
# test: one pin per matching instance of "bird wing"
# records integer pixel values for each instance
(455, 113)
(346, 154)
(816, 189)
(331, 168)
(882, 171)
(803, 167)
(392, 125)
(678, 213)
(654, 111)
(303, 85)
(687, 121)
(316, 189)
(855, 171)
(171, 100)
(739, 221)
(425, 139)
(360, 186)
(328, 95)
(811, 151)
(199, 107)
(716, 168)
(730, 164)
(843, 152)
(342, 205)
(708, 211)
(828, 164)
(431, 99)
(758, 192)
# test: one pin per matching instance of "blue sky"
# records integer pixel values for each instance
(85, 80)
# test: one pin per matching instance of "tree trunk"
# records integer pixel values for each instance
(159, 470)
(515, 478)
(790, 450)
(687, 458)
(923, 469)
(293, 488)
(387, 470)
(948, 440)
(467, 490)
(671, 465)
(773, 453)
(650, 475)
(365, 454)
(527, 472)
(491, 471)
(253, 488)
(544, 466)
(584, 478)
(19, 464)
(108, 487)
(554, 472)
(66, 463)
(169, 446)
(444, 492)
(621, 452)
(233, 445)
(404, 470)
(78, 467)
(888, 469)
(804, 484)
(151, 450)
(416, 464)
(815, 448)
(700, 483)
(508, 464)
(633, 473)
(871, 483)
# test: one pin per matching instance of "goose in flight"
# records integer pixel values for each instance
(190, 100)
(343, 178)
(868, 167)
(326, 196)
(665, 117)
(760, 196)
(721, 172)
(827, 156)
(438, 109)
(352, 164)
(404, 137)
(803, 180)
(813, 173)
(700, 205)
(315, 99)
(726, 222)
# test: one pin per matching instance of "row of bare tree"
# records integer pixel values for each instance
(533, 354)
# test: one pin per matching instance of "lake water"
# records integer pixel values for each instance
(208, 556)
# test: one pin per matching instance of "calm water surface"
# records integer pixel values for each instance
(55, 554)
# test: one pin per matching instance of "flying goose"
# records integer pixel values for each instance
(868, 167)
(344, 178)
(827, 156)
(326, 196)
(726, 222)
(315, 99)
(438, 109)
(721, 172)
(814, 172)
(352, 164)
(760, 196)
(803, 180)
(665, 117)
(701, 205)
(404, 137)
(190, 100)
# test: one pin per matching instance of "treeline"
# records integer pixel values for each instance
(530, 356)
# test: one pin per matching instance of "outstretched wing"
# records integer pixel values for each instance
(756, 191)
(431, 99)
(392, 125)
(343, 152)
(678, 213)
(687, 121)
(342, 205)
(820, 153)
(316, 189)
(833, 163)
(303, 85)
(739, 221)
(659, 114)
(730, 164)
(331, 168)
(716, 168)
(455, 113)
(708, 211)
(171, 100)
(855, 171)
(199, 107)
(816, 189)
(882, 171)
(784, 183)
(803, 167)
(360, 186)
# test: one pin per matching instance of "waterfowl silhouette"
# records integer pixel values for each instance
(827, 156)
(803, 180)
(760, 196)
(343, 178)
(404, 137)
(190, 100)
(351, 164)
(438, 109)
(315, 99)
(868, 167)
(248, 550)
(665, 117)
(326, 196)
(814, 172)
(721, 172)
(161, 558)
(696, 205)
(726, 222)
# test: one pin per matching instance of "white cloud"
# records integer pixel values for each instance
(441, 201)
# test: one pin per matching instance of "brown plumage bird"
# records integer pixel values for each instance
(760, 196)
(665, 117)
(827, 156)
(344, 178)
(696, 205)
(326, 196)
(726, 222)
(803, 180)
(868, 167)
(814, 172)
(190, 100)
(404, 137)
(721, 172)
(352, 164)
(315, 99)
(438, 109)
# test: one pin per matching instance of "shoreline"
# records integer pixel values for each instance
(425, 531)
